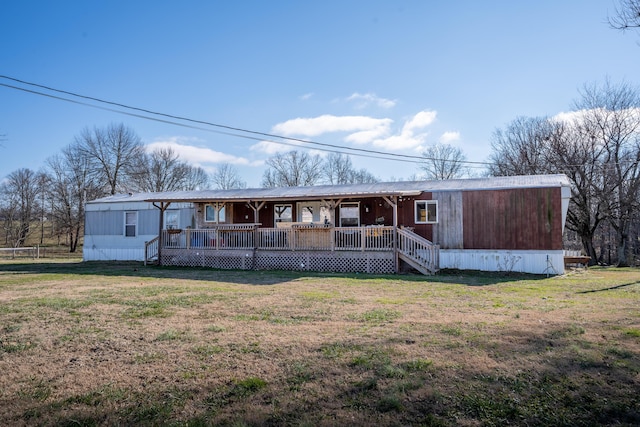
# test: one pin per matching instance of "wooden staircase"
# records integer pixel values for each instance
(418, 252)
(151, 251)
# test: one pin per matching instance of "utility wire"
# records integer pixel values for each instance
(388, 156)
(196, 127)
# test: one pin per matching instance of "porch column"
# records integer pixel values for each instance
(393, 202)
(162, 207)
(256, 206)
(331, 204)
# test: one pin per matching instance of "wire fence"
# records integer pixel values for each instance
(37, 252)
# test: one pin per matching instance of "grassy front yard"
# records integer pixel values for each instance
(105, 344)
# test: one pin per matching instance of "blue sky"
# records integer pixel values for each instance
(391, 76)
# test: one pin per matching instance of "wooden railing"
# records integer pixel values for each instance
(418, 251)
(321, 238)
(373, 238)
(238, 236)
(151, 250)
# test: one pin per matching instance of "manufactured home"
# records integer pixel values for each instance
(492, 224)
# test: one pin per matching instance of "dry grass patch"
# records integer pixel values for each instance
(105, 344)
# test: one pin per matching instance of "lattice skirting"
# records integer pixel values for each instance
(343, 261)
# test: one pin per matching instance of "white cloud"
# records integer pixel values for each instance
(420, 120)
(197, 155)
(408, 138)
(367, 136)
(403, 141)
(271, 148)
(367, 99)
(327, 123)
(359, 130)
(449, 137)
(306, 96)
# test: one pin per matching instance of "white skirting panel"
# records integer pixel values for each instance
(536, 262)
(116, 254)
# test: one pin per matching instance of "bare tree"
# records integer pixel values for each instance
(226, 177)
(44, 182)
(19, 207)
(71, 185)
(627, 15)
(162, 170)
(292, 169)
(611, 116)
(111, 152)
(363, 176)
(444, 161)
(338, 169)
(573, 151)
(521, 149)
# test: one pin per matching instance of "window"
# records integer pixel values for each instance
(350, 214)
(313, 212)
(426, 211)
(282, 213)
(130, 224)
(215, 213)
(171, 220)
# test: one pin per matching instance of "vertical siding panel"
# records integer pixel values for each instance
(148, 221)
(448, 232)
(104, 223)
(528, 218)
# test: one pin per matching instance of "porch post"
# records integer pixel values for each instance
(393, 202)
(256, 206)
(331, 204)
(163, 207)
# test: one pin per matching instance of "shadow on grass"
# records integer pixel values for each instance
(256, 277)
(612, 288)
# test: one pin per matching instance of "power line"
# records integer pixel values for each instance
(196, 127)
(387, 155)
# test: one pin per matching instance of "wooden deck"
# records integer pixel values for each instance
(371, 249)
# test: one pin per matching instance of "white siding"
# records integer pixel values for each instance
(114, 248)
(536, 262)
(104, 238)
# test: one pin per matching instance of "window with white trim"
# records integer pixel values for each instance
(426, 212)
(215, 213)
(130, 224)
(350, 214)
(313, 212)
(282, 213)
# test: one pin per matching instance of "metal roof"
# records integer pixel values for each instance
(400, 188)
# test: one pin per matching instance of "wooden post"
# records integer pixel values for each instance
(162, 207)
(393, 202)
(256, 206)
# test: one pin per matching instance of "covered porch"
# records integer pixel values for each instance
(302, 232)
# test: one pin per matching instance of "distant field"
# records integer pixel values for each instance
(121, 344)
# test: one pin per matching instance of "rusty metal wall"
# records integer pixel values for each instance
(529, 218)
